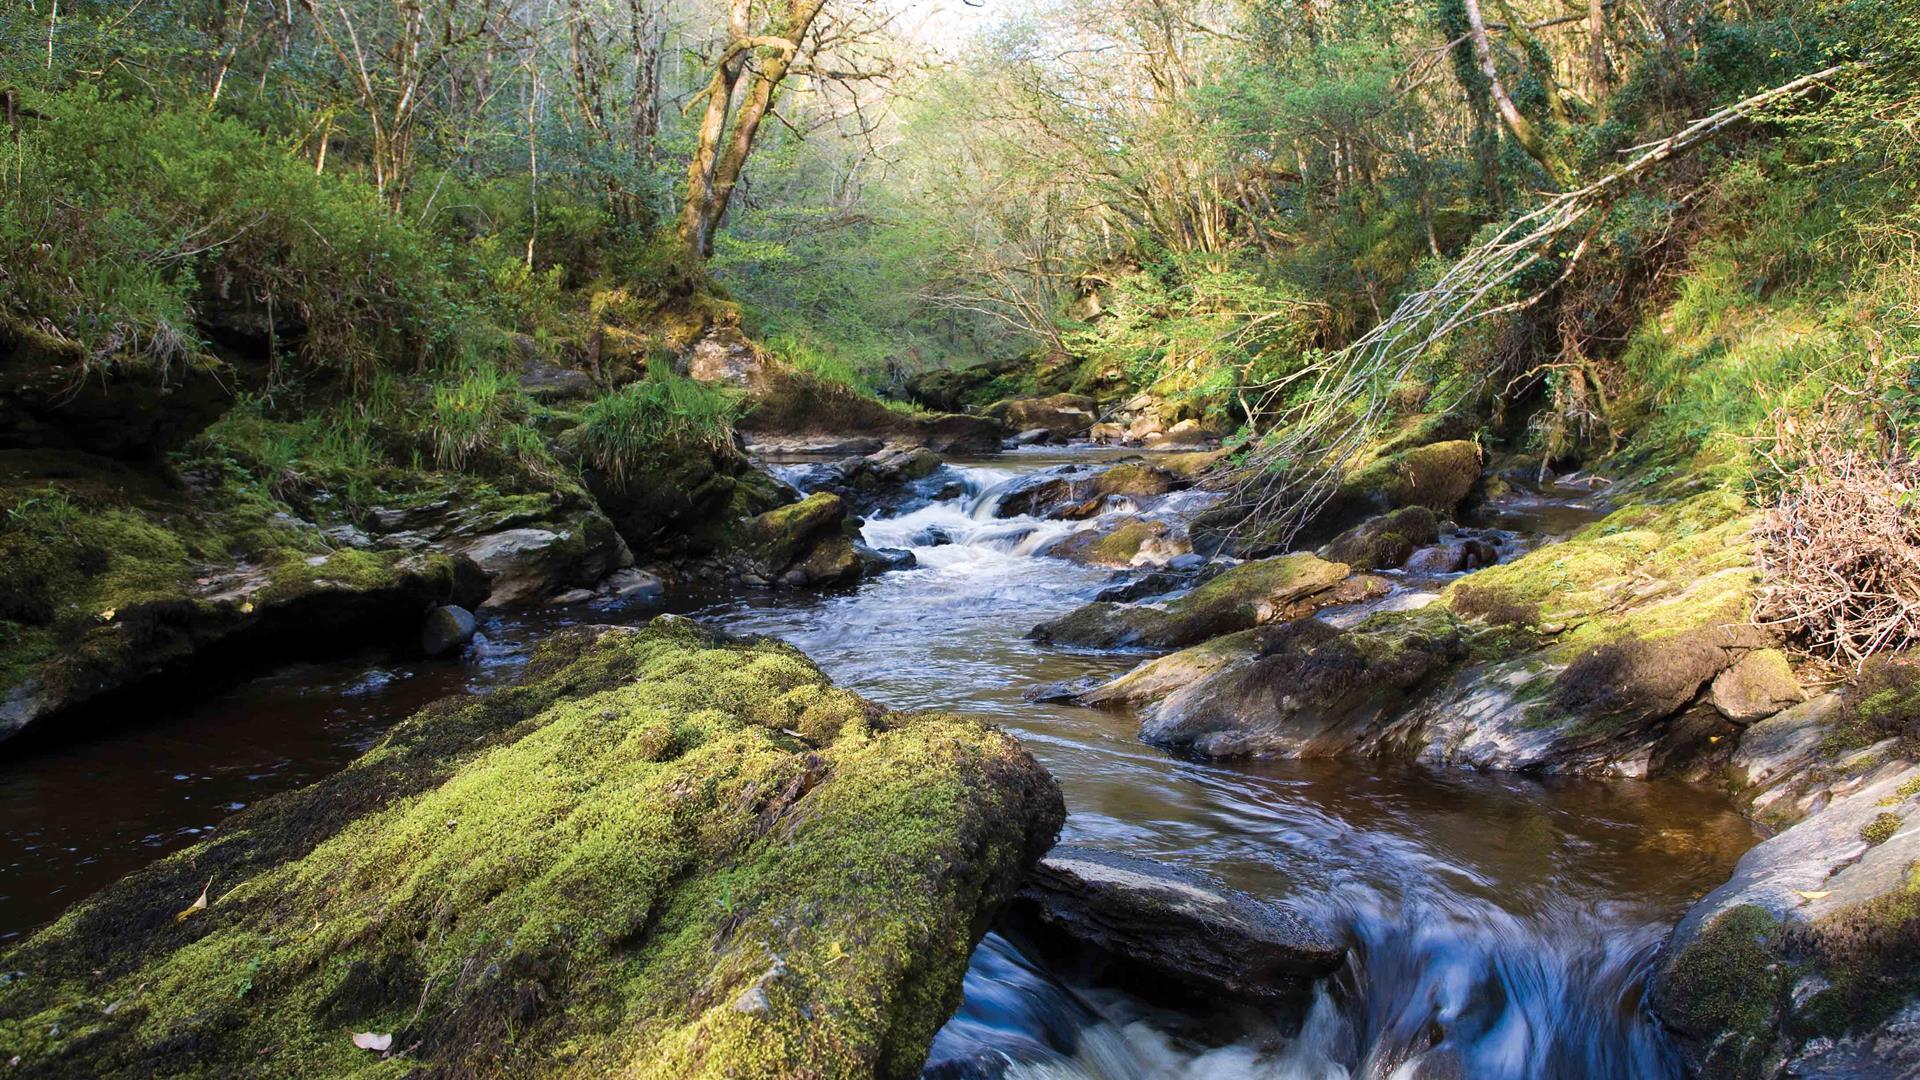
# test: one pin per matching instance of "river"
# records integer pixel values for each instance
(1503, 926)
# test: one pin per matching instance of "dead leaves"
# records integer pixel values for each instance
(197, 905)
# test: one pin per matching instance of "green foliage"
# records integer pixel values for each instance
(622, 430)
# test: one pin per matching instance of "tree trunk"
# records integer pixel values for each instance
(1519, 126)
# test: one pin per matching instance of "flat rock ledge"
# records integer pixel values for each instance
(1170, 923)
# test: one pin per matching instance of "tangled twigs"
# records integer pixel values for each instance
(1840, 552)
(1325, 411)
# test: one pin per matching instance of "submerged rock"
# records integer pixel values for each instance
(660, 855)
(1168, 923)
(1247, 595)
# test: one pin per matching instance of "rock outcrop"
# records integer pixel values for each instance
(1067, 416)
(660, 855)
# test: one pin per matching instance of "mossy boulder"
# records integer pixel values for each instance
(1080, 493)
(1067, 416)
(1385, 542)
(112, 576)
(1310, 690)
(1807, 962)
(802, 543)
(1247, 595)
(661, 854)
(1119, 546)
(1437, 476)
(682, 499)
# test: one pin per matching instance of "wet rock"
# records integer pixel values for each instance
(816, 444)
(1247, 595)
(1168, 923)
(446, 630)
(1066, 416)
(557, 848)
(1807, 954)
(1756, 687)
(1106, 434)
(1452, 557)
(1034, 437)
(1078, 493)
(1145, 586)
(1386, 541)
(525, 565)
(881, 560)
(634, 586)
(570, 597)
(1311, 690)
(1155, 679)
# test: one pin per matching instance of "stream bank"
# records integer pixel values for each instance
(1502, 925)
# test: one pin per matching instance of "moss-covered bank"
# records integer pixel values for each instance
(659, 855)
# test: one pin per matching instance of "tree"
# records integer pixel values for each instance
(738, 95)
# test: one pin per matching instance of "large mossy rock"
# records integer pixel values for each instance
(955, 389)
(682, 499)
(111, 576)
(1067, 416)
(659, 855)
(802, 543)
(1807, 962)
(1245, 596)
(1310, 689)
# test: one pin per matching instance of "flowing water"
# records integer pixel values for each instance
(1503, 927)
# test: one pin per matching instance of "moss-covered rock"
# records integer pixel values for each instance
(111, 576)
(1437, 476)
(1384, 542)
(660, 855)
(1067, 416)
(1117, 547)
(785, 402)
(682, 499)
(956, 389)
(1245, 596)
(1082, 493)
(1310, 690)
(1807, 962)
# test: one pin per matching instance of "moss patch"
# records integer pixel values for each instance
(659, 856)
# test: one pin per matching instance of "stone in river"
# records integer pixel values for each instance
(446, 630)
(1175, 924)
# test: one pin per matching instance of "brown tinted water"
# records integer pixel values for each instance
(1503, 926)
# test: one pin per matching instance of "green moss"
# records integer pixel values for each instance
(1436, 476)
(1725, 986)
(626, 865)
(1118, 547)
(1880, 829)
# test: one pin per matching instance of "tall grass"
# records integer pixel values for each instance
(662, 411)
